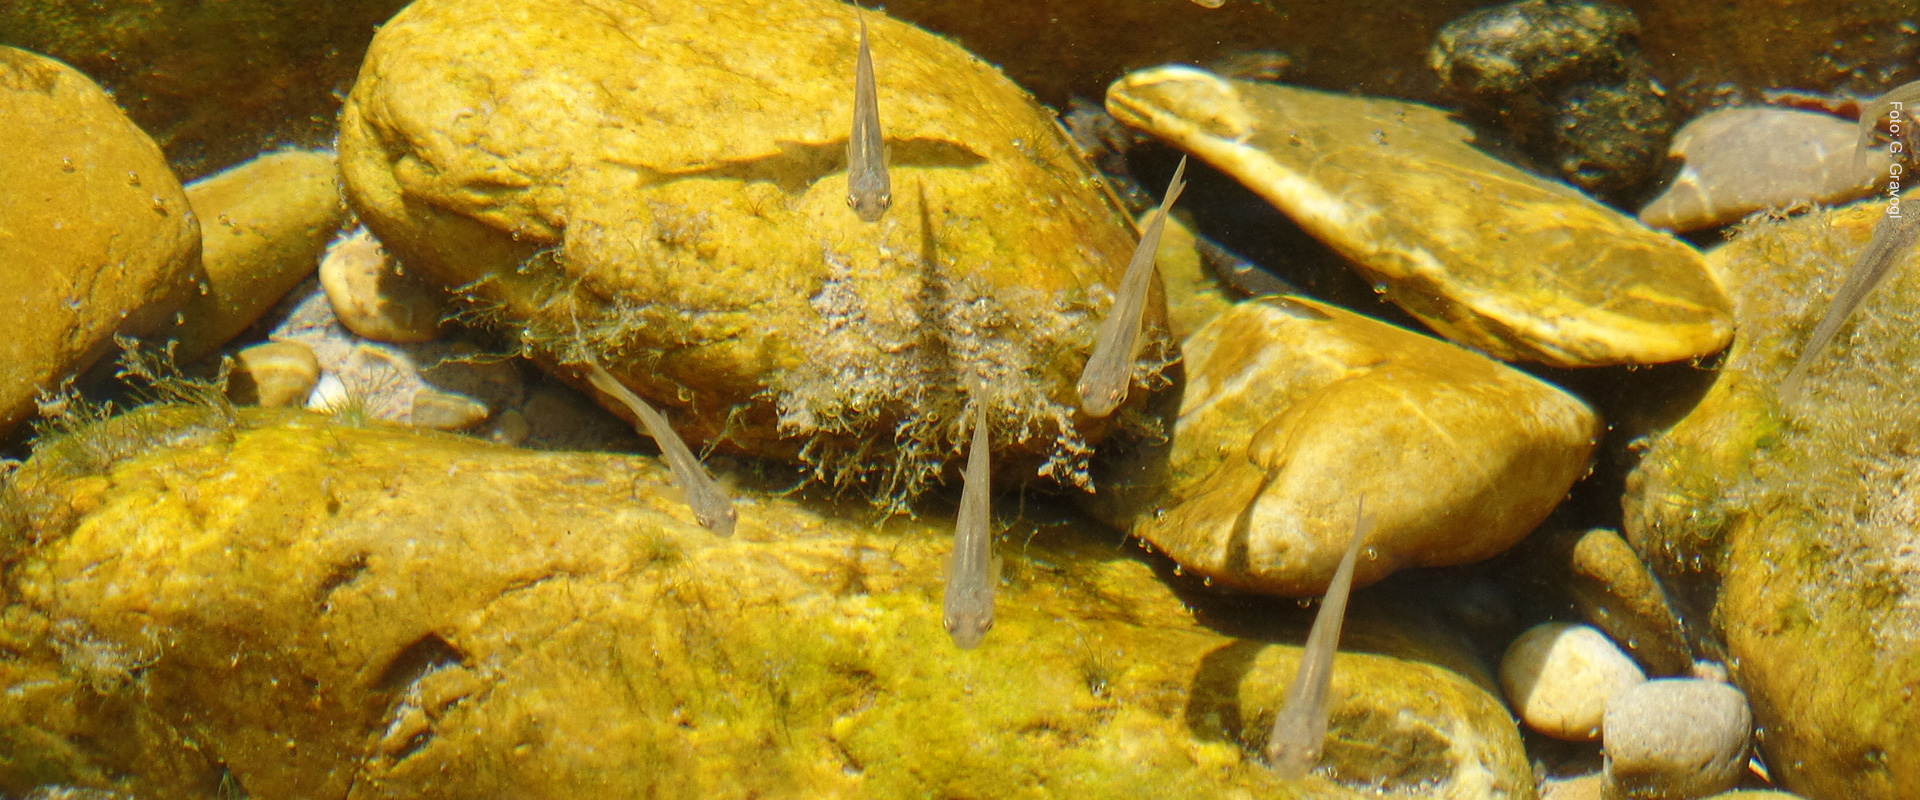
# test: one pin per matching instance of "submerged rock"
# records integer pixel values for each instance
(1488, 255)
(1618, 594)
(274, 375)
(326, 610)
(1567, 80)
(1795, 527)
(1742, 160)
(97, 238)
(374, 297)
(1293, 408)
(663, 189)
(263, 226)
(214, 83)
(1559, 677)
(1676, 739)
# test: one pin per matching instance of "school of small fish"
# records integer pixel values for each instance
(1893, 236)
(973, 570)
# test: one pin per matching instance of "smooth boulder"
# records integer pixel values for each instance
(1490, 256)
(1293, 409)
(96, 235)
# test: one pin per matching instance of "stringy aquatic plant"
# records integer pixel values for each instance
(77, 438)
(870, 400)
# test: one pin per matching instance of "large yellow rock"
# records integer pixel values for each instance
(330, 611)
(1294, 409)
(1488, 255)
(96, 237)
(661, 186)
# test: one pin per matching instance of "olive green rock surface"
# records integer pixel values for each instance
(1488, 255)
(1293, 409)
(264, 225)
(1617, 593)
(96, 237)
(663, 188)
(1796, 525)
(321, 610)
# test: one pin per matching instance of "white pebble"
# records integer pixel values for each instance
(1675, 739)
(1558, 677)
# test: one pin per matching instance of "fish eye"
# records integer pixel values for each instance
(886, 198)
(853, 202)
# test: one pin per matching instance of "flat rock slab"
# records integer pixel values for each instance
(363, 612)
(1742, 160)
(1490, 256)
(1293, 409)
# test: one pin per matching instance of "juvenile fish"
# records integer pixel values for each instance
(1104, 380)
(1892, 238)
(1300, 730)
(973, 569)
(710, 504)
(869, 190)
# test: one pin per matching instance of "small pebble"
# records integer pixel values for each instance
(1582, 787)
(1675, 739)
(1742, 160)
(445, 411)
(373, 298)
(510, 427)
(1617, 593)
(329, 396)
(274, 375)
(1559, 676)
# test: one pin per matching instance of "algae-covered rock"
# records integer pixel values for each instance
(1294, 408)
(1488, 255)
(96, 237)
(1617, 593)
(662, 187)
(1796, 526)
(324, 610)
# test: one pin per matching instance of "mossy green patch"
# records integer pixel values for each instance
(1795, 522)
(317, 607)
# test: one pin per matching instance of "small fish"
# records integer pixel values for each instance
(973, 569)
(709, 502)
(1892, 238)
(869, 190)
(1300, 729)
(1104, 380)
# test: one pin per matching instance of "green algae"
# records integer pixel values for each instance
(1793, 522)
(453, 618)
